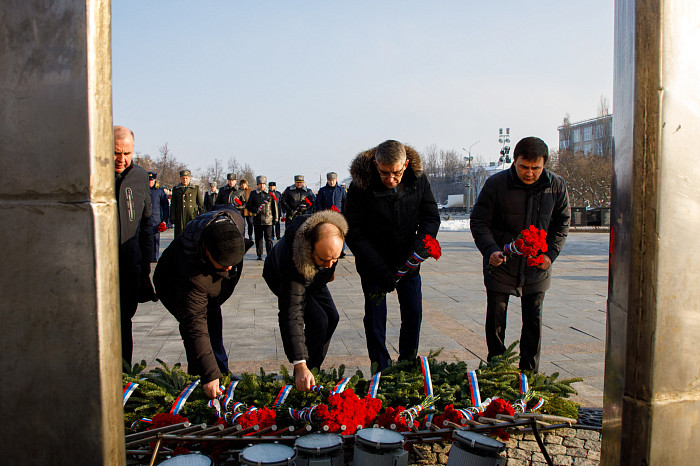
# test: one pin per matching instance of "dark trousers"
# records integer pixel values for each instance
(496, 312)
(408, 290)
(156, 245)
(128, 301)
(320, 320)
(263, 231)
(216, 338)
(277, 228)
(249, 221)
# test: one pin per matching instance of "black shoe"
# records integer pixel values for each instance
(342, 254)
(259, 258)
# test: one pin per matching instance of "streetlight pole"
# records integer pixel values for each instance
(505, 150)
(467, 186)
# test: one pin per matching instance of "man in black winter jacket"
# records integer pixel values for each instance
(135, 231)
(297, 271)
(297, 199)
(390, 209)
(195, 275)
(511, 201)
(227, 193)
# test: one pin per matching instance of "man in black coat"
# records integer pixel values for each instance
(276, 227)
(261, 203)
(135, 231)
(161, 212)
(227, 193)
(390, 209)
(296, 199)
(210, 197)
(297, 271)
(510, 201)
(196, 274)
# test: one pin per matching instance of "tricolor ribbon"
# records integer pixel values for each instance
(180, 401)
(411, 263)
(474, 389)
(316, 388)
(302, 415)
(282, 396)
(538, 405)
(340, 386)
(228, 395)
(521, 404)
(374, 385)
(216, 405)
(128, 391)
(425, 368)
(143, 419)
(466, 414)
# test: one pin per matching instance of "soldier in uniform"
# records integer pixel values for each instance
(227, 193)
(186, 202)
(261, 203)
(275, 226)
(210, 197)
(296, 199)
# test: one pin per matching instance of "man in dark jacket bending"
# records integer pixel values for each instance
(390, 208)
(297, 271)
(510, 201)
(195, 275)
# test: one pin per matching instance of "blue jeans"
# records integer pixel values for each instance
(410, 297)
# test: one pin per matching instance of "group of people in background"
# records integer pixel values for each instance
(388, 210)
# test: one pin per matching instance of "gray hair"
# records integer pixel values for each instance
(390, 152)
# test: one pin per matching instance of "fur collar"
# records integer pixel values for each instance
(301, 250)
(362, 167)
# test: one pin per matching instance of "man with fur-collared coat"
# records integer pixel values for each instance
(390, 208)
(297, 271)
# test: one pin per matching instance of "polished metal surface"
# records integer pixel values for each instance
(59, 340)
(652, 388)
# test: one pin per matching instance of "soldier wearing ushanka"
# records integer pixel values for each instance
(186, 202)
(297, 199)
(261, 203)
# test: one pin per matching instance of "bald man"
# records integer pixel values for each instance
(298, 270)
(135, 231)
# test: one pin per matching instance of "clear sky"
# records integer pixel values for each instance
(301, 87)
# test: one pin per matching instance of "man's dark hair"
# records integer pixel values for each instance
(390, 152)
(531, 148)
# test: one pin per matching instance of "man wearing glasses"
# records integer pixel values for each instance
(390, 208)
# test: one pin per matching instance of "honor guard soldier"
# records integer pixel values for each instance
(186, 202)
(296, 199)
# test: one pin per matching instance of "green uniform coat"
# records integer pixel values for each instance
(185, 205)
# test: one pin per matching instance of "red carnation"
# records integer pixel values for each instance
(273, 196)
(162, 227)
(306, 199)
(263, 417)
(392, 417)
(347, 409)
(334, 209)
(450, 414)
(237, 202)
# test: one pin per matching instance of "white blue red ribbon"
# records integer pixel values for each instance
(302, 415)
(228, 395)
(143, 419)
(474, 388)
(374, 385)
(340, 386)
(316, 388)
(425, 368)
(128, 391)
(282, 396)
(524, 388)
(180, 401)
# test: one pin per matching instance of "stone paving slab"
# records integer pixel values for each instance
(454, 308)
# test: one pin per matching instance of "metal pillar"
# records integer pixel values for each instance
(60, 357)
(652, 388)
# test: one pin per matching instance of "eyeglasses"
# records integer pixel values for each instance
(397, 174)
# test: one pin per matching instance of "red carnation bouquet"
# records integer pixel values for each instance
(430, 247)
(499, 406)
(162, 227)
(346, 412)
(530, 242)
(335, 209)
(166, 419)
(392, 418)
(450, 414)
(262, 417)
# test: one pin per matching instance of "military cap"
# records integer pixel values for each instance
(212, 184)
(185, 173)
(152, 175)
(231, 176)
(260, 179)
(331, 176)
(272, 183)
(298, 178)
